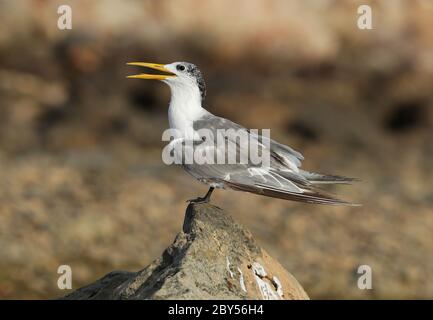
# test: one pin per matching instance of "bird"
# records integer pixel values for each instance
(282, 178)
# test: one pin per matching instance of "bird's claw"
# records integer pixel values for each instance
(198, 200)
(204, 199)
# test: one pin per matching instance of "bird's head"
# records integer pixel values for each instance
(182, 75)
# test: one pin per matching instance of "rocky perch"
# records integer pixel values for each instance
(213, 257)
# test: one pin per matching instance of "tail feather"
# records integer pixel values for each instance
(308, 196)
(317, 178)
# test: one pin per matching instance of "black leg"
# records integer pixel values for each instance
(204, 199)
(208, 194)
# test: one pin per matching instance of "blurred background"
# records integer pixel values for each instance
(82, 180)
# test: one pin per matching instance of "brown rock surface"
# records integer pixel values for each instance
(213, 257)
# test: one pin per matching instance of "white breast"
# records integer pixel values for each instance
(185, 108)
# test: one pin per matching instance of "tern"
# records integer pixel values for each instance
(282, 178)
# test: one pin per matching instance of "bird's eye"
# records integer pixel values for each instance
(180, 67)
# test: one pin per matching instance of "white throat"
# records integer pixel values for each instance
(185, 106)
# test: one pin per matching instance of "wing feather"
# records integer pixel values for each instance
(282, 179)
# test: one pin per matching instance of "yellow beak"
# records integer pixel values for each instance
(154, 66)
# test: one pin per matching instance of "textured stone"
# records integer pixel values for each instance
(213, 257)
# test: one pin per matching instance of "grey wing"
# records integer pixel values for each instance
(281, 179)
(282, 157)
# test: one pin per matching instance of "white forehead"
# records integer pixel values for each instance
(188, 66)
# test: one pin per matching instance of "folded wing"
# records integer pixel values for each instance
(282, 178)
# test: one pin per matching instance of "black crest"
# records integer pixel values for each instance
(195, 72)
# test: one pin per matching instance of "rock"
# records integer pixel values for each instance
(213, 257)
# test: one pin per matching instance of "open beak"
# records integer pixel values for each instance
(154, 66)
